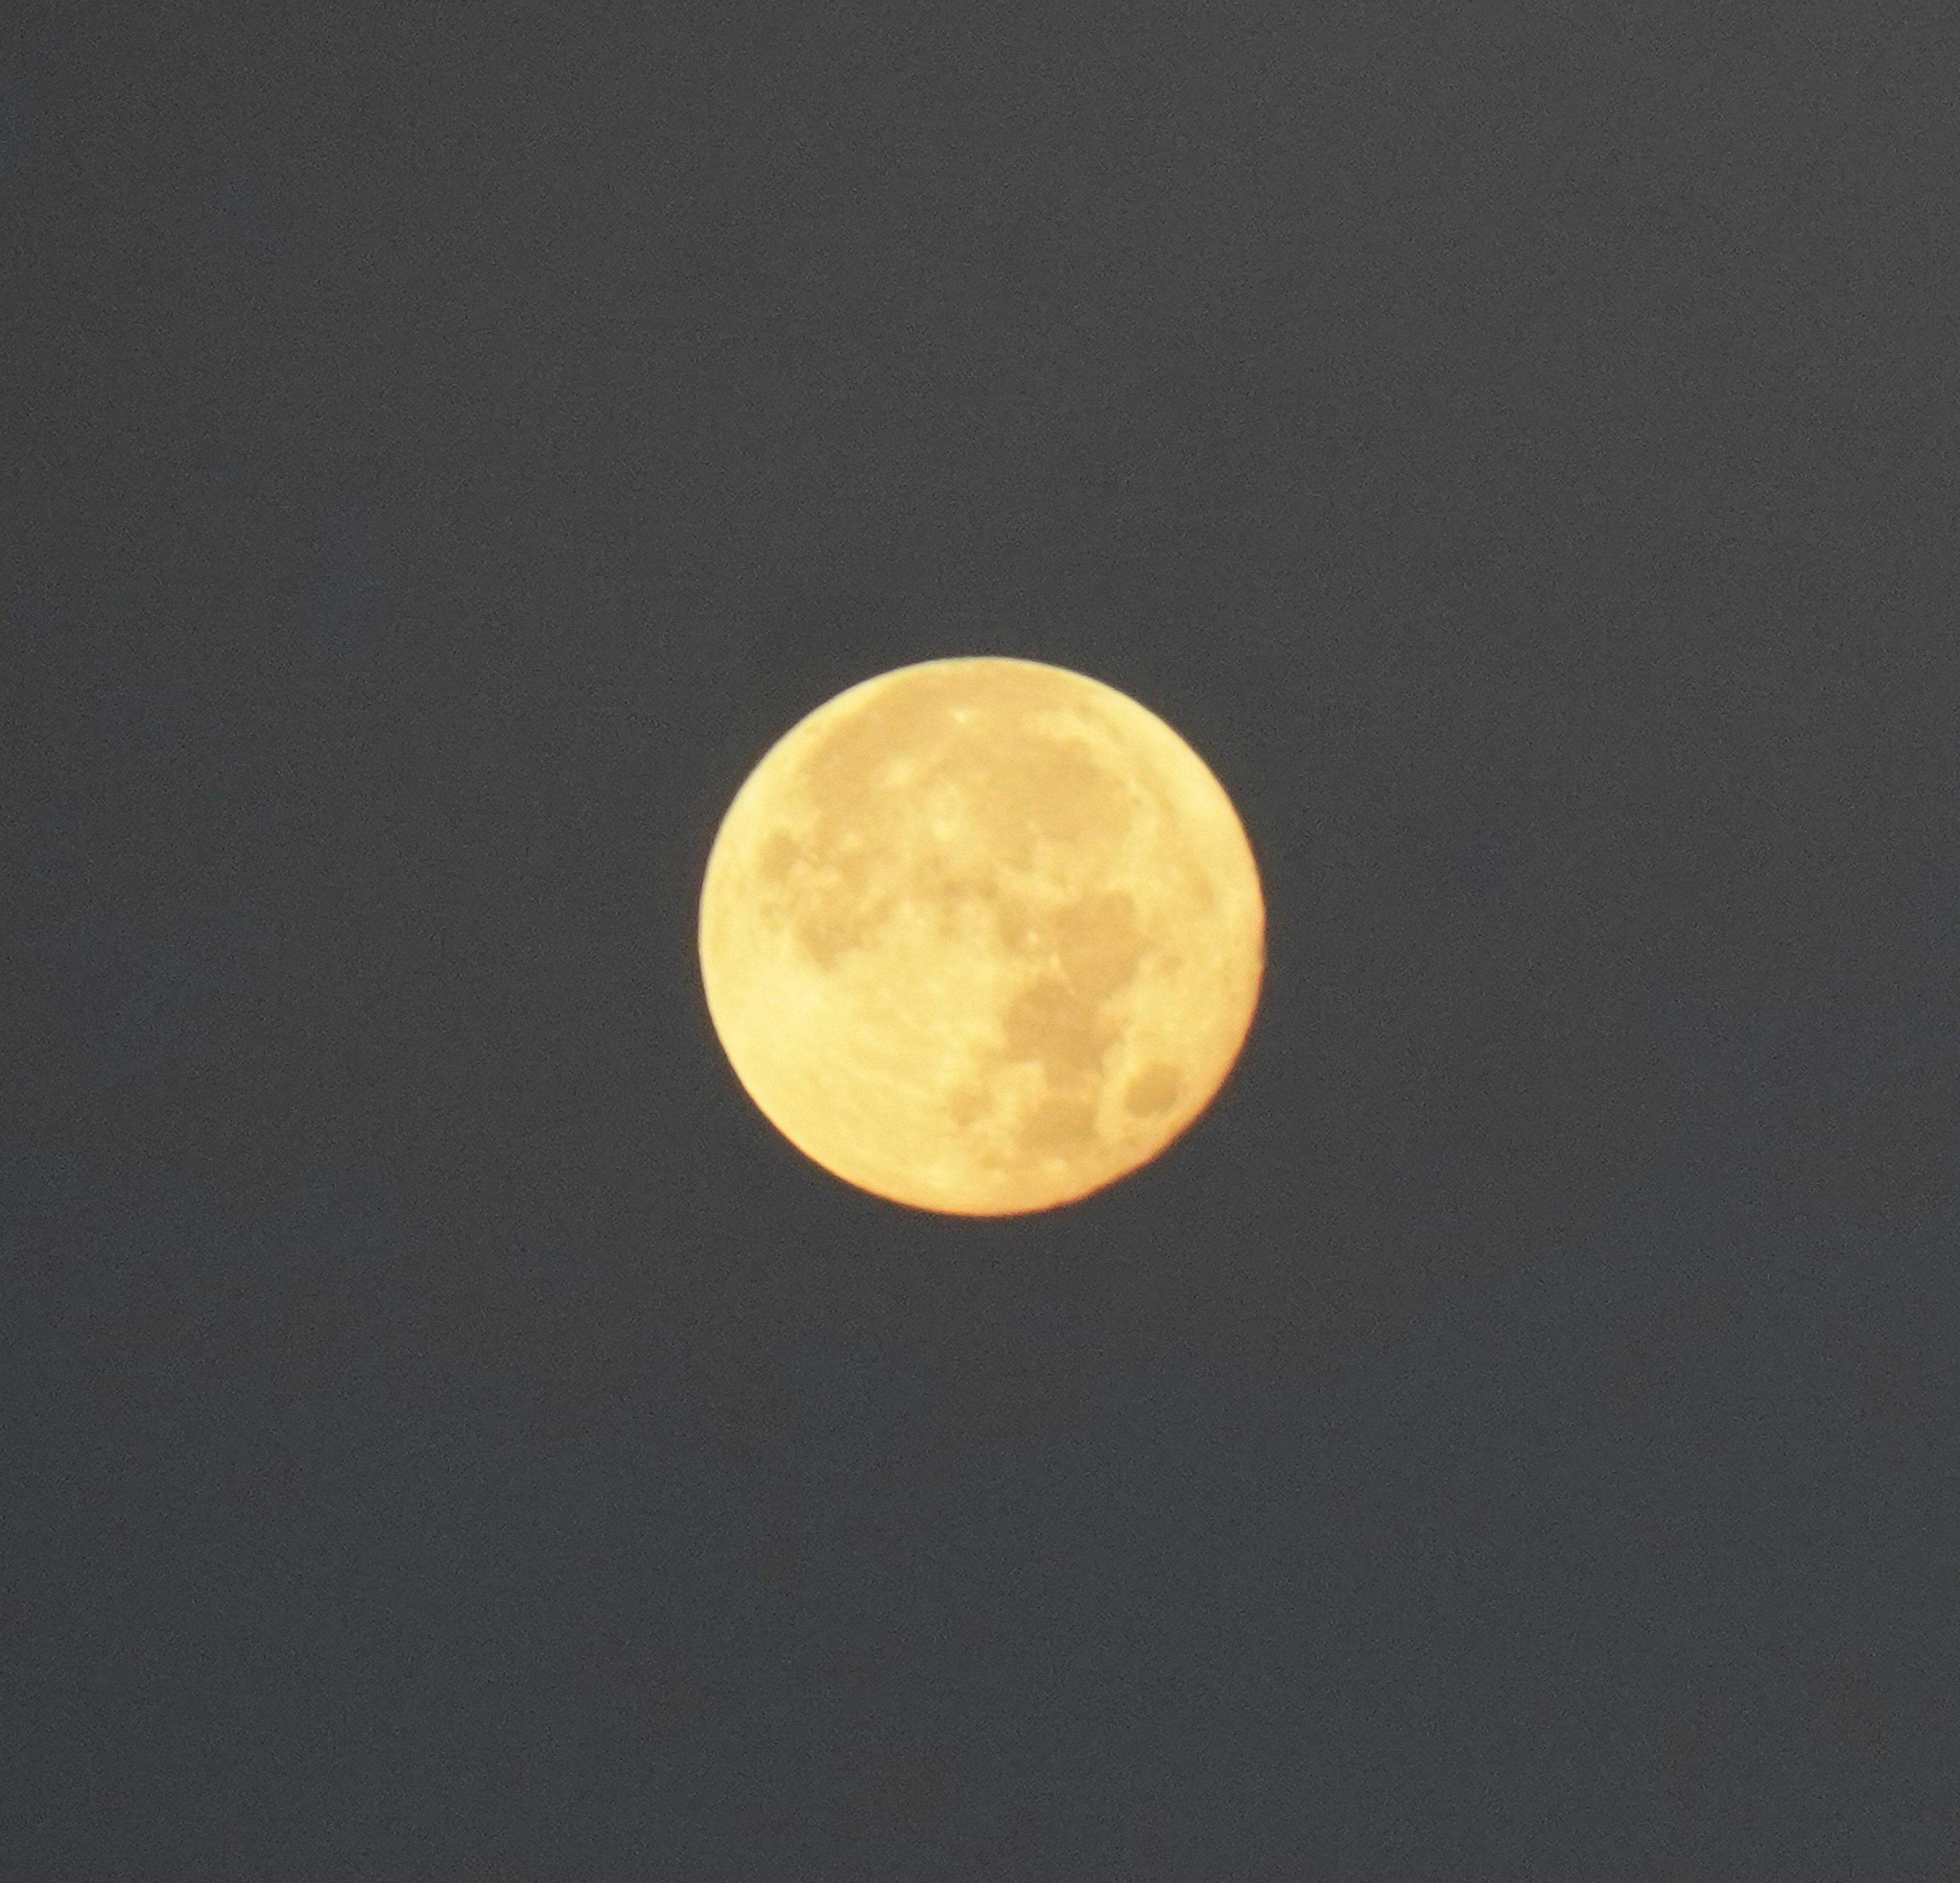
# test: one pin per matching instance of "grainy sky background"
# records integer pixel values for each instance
(452, 1437)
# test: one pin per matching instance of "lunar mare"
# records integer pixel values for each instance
(982, 936)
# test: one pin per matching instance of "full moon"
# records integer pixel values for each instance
(982, 936)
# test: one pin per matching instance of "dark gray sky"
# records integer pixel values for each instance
(1513, 1435)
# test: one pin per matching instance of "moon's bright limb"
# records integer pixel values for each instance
(982, 936)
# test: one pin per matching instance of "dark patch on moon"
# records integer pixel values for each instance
(1058, 1126)
(780, 854)
(1099, 943)
(1050, 1021)
(1153, 1090)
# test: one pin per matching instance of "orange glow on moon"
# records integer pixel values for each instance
(982, 936)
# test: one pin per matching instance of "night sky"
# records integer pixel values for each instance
(1514, 1434)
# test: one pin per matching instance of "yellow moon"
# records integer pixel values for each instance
(982, 936)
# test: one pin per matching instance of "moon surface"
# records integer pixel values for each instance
(982, 936)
